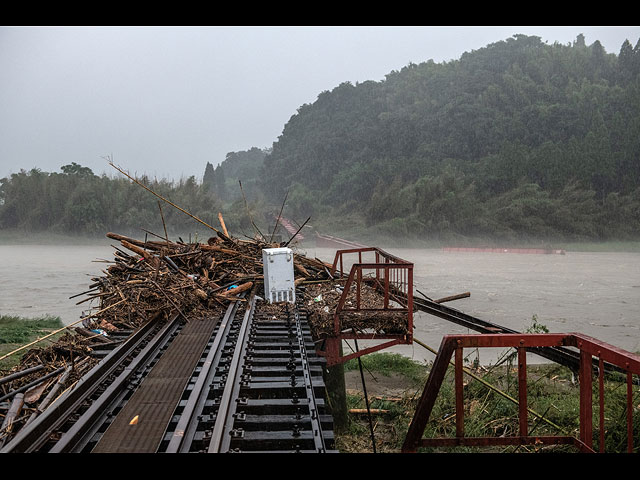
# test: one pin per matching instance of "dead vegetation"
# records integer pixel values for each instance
(149, 281)
(321, 301)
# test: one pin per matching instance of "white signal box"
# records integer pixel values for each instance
(277, 265)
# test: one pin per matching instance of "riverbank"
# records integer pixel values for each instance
(16, 332)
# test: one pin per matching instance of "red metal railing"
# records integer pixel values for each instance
(389, 275)
(588, 347)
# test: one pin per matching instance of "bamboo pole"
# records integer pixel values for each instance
(9, 419)
(453, 297)
(165, 200)
(222, 224)
(16, 375)
(364, 410)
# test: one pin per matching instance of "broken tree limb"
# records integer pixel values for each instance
(279, 215)
(301, 269)
(33, 394)
(9, 419)
(153, 260)
(249, 212)
(29, 385)
(297, 232)
(238, 289)
(453, 297)
(222, 224)
(165, 200)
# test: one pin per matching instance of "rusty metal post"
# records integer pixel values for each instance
(410, 300)
(589, 347)
(586, 393)
(358, 286)
(459, 387)
(522, 389)
(629, 412)
(386, 283)
(601, 400)
(428, 397)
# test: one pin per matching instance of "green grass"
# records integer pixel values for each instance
(18, 331)
(388, 363)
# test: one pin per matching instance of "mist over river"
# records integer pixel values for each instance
(594, 293)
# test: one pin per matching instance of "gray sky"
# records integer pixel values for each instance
(166, 100)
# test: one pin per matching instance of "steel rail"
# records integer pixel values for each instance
(187, 424)
(257, 387)
(316, 425)
(99, 408)
(37, 433)
(561, 355)
(224, 418)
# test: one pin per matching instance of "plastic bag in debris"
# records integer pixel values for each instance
(100, 331)
(318, 298)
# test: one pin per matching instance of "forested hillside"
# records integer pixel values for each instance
(78, 202)
(519, 139)
(237, 166)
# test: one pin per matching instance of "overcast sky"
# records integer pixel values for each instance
(166, 100)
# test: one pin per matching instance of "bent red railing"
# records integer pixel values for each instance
(389, 275)
(588, 347)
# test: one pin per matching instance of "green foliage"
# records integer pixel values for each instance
(245, 166)
(388, 363)
(79, 202)
(519, 139)
(536, 327)
(20, 330)
(553, 399)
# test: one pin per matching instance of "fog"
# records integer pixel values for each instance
(164, 101)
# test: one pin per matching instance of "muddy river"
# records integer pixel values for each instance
(597, 294)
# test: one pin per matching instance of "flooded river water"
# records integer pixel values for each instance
(597, 294)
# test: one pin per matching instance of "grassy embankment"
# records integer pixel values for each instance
(553, 394)
(18, 331)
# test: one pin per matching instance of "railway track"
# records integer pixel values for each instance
(247, 380)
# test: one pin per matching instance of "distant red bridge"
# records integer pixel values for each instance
(506, 250)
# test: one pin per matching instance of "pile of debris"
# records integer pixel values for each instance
(322, 299)
(150, 281)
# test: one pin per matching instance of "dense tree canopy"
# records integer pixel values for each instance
(519, 139)
(78, 202)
